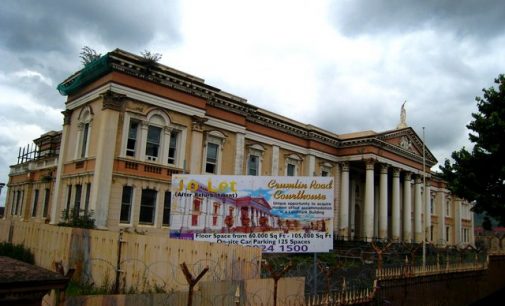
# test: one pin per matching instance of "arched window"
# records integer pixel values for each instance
(84, 131)
(155, 124)
(154, 138)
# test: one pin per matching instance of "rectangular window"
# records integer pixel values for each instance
(252, 165)
(211, 161)
(215, 214)
(35, 202)
(166, 208)
(291, 170)
(153, 142)
(77, 200)
(147, 206)
(432, 206)
(14, 203)
(324, 173)
(447, 234)
(172, 148)
(196, 212)
(431, 232)
(448, 209)
(84, 143)
(47, 196)
(19, 203)
(132, 138)
(18, 198)
(126, 204)
(86, 198)
(69, 196)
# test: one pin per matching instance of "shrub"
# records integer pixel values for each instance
(77, 218)
(16, 251)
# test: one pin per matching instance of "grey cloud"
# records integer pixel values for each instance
(46, 36)
(52, 25)
(478, 19)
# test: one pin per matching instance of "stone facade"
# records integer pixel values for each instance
(128, 129)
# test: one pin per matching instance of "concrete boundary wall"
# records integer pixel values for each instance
(140, 263)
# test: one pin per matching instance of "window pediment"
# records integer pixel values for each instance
(86, 114)
(216, 137)
(256, 149)
(293, 157)
(326, 165)
(158, 117)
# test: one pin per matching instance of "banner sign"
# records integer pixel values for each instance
(280, 214)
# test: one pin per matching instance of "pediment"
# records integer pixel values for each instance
(406, 140)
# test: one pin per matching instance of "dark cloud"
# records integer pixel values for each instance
(46, 36)
(44, 26)
(478, 19)
(40, 43)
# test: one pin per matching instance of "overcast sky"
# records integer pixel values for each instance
(344, 66)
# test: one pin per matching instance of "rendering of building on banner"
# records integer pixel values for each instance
(131, 125)
(278, 214)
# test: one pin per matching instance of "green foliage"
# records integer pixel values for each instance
(16, 251)
(479, 175)
(74, 289)
(88, 55)
(150, 58)
(77, 218)
(486, 224)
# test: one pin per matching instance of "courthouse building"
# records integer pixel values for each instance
(131, 123)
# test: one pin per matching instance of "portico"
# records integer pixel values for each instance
(382, 195)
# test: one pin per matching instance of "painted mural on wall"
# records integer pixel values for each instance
(276, 213)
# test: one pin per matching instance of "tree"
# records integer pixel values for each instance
(486, 224)
(479, 175)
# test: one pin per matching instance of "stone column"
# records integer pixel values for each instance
(144, 126)
(395, 216)
(441, 219)
(418, 208)
(165, 145)
(472, 229)
(275, 160)
(457, 221)
(427, 211)
(407, 208)
(195, 166)
(310, 165)
(104, 163)
(352, 209)
(383, 204)
(344, 200)
(369, 201)
(239, 154)
(57, 193)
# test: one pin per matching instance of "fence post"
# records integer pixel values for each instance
(192, 281)
(11, 230)
(276, 276)
(118, 263)
(314, 270)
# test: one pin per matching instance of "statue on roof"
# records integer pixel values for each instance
(403, 117)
